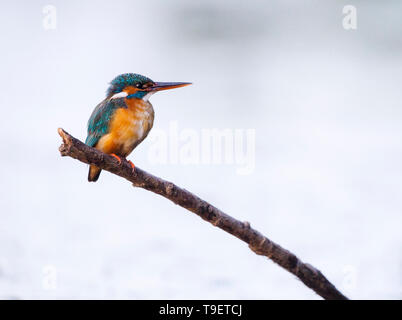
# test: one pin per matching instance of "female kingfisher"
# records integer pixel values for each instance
(123, 120)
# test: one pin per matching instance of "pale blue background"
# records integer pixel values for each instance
(326, 106)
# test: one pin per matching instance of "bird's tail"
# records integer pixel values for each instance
(94, 173)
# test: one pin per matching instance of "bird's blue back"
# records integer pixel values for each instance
(98, 123)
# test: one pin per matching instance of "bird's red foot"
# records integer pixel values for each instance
(117, 157)
(132, 165)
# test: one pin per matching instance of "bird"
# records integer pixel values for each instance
(124, 118)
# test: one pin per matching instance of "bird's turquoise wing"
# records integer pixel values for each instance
(98, 123)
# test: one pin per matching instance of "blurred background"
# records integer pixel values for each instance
(326, 106)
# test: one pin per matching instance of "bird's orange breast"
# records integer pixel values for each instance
(128, 127)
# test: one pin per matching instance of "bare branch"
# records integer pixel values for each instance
(257, 242)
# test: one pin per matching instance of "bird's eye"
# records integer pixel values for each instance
(138, 85)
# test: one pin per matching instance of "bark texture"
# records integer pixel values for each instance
(257, 242)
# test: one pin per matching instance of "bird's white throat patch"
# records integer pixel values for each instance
(124, 94)
(147, 96)
(119, 95)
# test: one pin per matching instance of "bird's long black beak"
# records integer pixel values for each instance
(159, 86)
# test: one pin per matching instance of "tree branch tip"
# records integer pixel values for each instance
(60, 131)
(64, 135)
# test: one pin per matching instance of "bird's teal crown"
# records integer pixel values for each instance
(128, 79)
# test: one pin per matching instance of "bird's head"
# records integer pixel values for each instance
(132, 85)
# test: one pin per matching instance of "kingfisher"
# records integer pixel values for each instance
(124, 118)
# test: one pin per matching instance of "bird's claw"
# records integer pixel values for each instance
(117, 157)
(132, 165)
